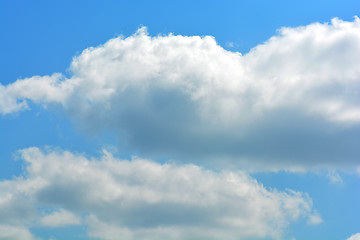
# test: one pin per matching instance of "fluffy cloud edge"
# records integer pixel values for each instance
(255, 71)
(60, 218)
(356, 236)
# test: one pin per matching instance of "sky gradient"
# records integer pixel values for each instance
(182, 120)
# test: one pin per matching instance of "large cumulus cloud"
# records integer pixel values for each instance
(292, 102)
(142, 199)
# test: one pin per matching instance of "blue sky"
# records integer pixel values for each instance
(179, 120)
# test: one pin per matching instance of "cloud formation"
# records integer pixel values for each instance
(59, 219)
(9, 232)
(354, 237)
(142, 199)
(290, 103)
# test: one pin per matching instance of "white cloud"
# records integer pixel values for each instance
(292, 102)
(334, 177)
(315, 219)
(14, 208)
(39, 89)
(354, 237)
(9, 232)
(59, 219)
(141, 199)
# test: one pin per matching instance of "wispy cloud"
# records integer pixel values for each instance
(334, 177)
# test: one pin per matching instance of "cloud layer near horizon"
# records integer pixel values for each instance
(142, 199)
(290, 103)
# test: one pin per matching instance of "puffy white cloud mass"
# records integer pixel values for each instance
(292, 102)
(142, 199)
(9, 232)
(59, 219)
(354, 237)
